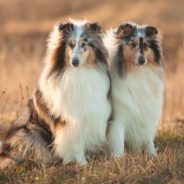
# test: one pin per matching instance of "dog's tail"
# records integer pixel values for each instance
(26, 140)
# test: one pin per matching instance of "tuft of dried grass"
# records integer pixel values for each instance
(166, 167)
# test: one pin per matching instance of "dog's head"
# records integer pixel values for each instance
(140, 44)
(76, 44)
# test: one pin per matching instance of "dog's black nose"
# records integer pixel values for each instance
(75, 62)
(141, 60)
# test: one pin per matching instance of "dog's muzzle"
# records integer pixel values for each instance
(141, 60)
(75, 62)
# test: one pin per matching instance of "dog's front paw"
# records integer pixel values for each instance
(116, 152)
(152, 151)
(81, 159)
(83, 162)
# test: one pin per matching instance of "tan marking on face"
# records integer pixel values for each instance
(130, 55)
(68, 54)
(157, 68)
(150, 57)
(90, 57)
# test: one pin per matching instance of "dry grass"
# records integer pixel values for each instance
(22, 46)
(167, 167)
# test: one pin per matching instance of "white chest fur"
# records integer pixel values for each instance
(137, 102)
(79, 96)
(140, 91)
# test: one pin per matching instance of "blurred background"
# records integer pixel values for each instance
(25, 25)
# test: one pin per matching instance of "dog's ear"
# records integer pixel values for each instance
(125, 30)
(65, 27)
(151, 31)
(93, 27)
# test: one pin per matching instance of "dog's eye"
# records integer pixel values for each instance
(133, 44)
(83, 44)
(71, 44)
(85, 40)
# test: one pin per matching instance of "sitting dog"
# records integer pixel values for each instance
(136, 72)
(67, 116)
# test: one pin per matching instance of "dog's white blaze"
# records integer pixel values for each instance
(78, 31)
(140, 33)
(76, 52)
(80, 98)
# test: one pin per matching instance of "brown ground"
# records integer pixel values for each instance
(24, 29)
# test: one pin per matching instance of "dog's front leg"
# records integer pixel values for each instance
(116, 138)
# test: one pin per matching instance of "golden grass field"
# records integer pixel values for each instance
(24, 28)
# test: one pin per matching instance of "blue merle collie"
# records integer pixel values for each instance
(137, 86)
(68, 113)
